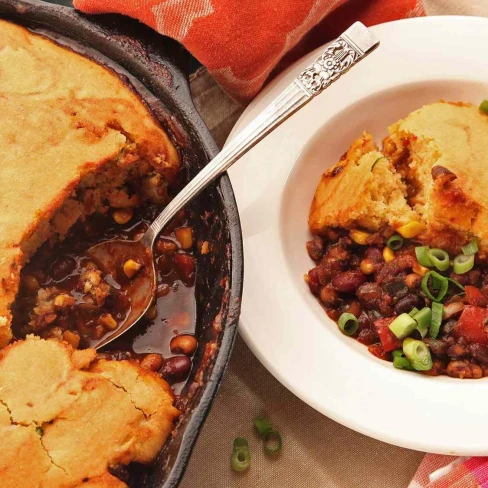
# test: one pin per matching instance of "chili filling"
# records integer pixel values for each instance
(378, 285)
(65, 295)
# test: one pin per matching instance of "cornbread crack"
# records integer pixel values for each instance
(432, 169)
(93, 416)
(75, 140)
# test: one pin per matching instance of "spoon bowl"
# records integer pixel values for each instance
(110, 257)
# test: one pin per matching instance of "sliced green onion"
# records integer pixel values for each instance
(454, 282)
(423, 319)
(413, 312)
(423, 257)
(484, 106)
(418, 354)
(439, 283)
(435, 324)
(374, 164)
(241, 457)
(395, 242)
(272, 442)
(402, 363)
(398, 353)
(463, 263)
(348, 323)
(471, 248)
(403, 326)
(262, 425)
(439, 258)
(240, 443)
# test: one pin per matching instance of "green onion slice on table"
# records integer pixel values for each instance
(463, 263)
(403, 326)
(423, 257)
(272, 442)
(438, 284)
(417, 352)
(423, 319)
(435, 324)
(395, 242)
(471, 248)
(439, 258)
(241, 457)
(348, 323)
(262, 425)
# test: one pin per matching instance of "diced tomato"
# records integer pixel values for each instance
(475, 296)
(388, 339)
(378, 351)
(471, 325)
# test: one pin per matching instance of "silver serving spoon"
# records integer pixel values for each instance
(349, 48)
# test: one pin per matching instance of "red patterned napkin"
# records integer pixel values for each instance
(436, 471)
(241, 42)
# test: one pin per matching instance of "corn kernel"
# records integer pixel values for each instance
(71, 338)
(419, 269)
(108, 321)
(388, 254)
(131, 268)
(185, 237)
(205, 248)
(63, 301)
(359, 237)
(411, 229)
(122, 215)
(366, 266)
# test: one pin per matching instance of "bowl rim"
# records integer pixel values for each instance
(281, 151)
(164, 71)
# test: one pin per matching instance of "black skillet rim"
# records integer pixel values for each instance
(178, 91)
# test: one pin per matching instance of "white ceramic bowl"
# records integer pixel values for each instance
(419, 61)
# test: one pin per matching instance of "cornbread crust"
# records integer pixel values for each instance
(361, 190)
(401, 187)
(71, 132)
(454, 136)
(75, 417)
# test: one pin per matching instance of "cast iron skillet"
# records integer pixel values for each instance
(153, 65)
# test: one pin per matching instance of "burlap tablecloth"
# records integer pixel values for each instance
(317, 452)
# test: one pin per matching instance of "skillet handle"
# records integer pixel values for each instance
(350, 48)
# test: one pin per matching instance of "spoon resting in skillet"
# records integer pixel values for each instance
(130, 263)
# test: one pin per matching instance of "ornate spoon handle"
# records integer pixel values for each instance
(349, 48)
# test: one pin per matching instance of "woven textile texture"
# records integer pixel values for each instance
(241, 41)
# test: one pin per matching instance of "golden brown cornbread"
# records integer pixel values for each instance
(74, 417)
(71, 132)
(361, 190)
(401, 187)
(454, 136)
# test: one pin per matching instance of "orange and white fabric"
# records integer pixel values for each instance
(241, 42)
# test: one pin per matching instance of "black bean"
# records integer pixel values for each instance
(479, 353)
(369, 294)
(437, 171)
(315, 248)
(62, 267)
(437, 346)
(406, 304)
(457, 351)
